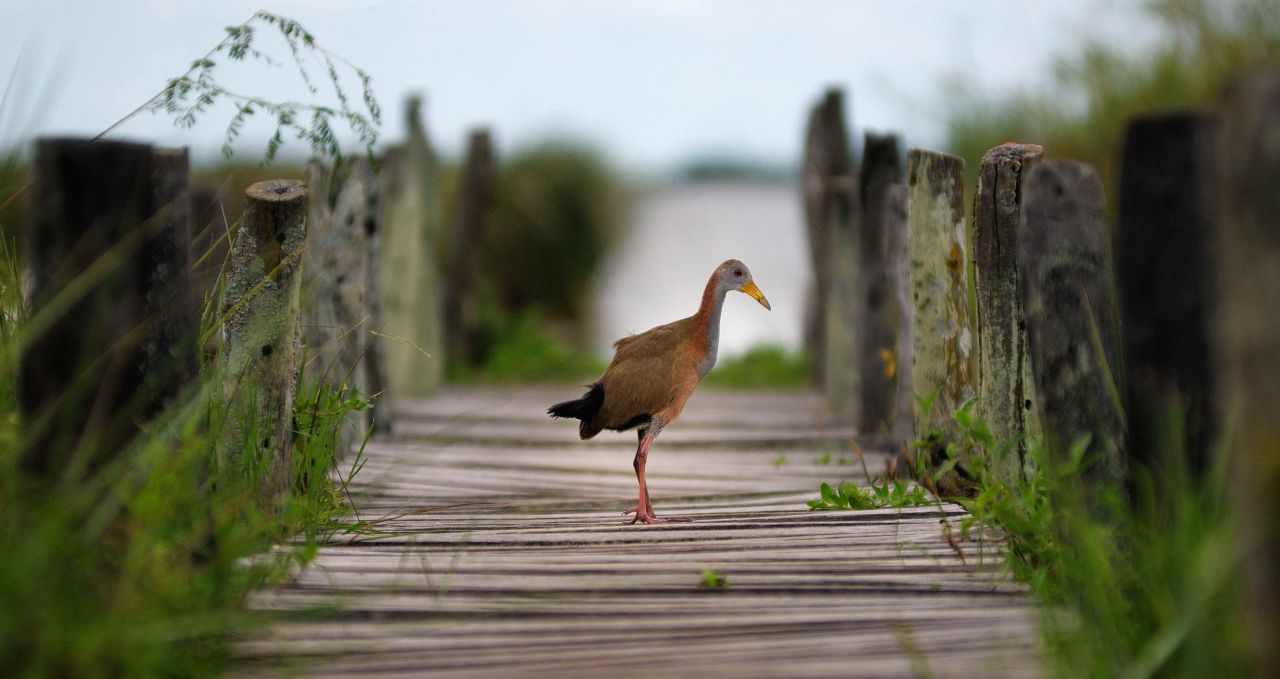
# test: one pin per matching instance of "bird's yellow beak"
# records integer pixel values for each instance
(752, 289)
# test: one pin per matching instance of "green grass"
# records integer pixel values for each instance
(762, 366)
(1133, 581)
(138, 566)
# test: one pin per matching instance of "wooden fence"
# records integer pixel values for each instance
(1173, 357)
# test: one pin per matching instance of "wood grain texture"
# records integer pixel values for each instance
(1065, 262)
(1005, 384)
(527, 568)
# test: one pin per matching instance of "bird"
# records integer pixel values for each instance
(654, 373)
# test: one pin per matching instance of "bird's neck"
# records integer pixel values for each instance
(707, 323)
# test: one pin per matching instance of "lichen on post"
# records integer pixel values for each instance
(941, 338)
(261, 333)
(1006, 388)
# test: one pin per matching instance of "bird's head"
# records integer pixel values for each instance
(734, 275)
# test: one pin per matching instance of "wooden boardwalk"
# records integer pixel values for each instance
(533, 572)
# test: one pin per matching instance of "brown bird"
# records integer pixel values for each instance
(655, 372)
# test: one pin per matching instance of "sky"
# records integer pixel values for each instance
(653, 84)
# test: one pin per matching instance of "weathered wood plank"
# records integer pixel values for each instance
(1065, 263)
(1005, 383)
(475, 201)
(543, 577)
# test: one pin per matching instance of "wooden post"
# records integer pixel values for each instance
(896, 243)
(1005, 385)
(170, 353)
(1164, 269)
(881, 169)
(830, 201)
(475, 199)
(261, 335)
(941, 339)
(1248, 344)
(1064, 262)
(80, 369)
(409, 277)
(336, 319)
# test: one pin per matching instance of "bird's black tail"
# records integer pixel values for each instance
(584, 409)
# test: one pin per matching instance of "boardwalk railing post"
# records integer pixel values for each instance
(896, 244)
(409, 277)
(1248, 343)
(1005, 385)
(80, 374)
(1165, 274)
(941, 339)
(830, 201)
(881, 169)
(261, 334)
(1064, 261)
(336, 318)
(475, 200)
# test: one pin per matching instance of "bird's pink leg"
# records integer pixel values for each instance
(644, 509)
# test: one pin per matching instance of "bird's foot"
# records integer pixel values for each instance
(647, 516)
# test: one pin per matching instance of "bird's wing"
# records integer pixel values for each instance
(649, 372)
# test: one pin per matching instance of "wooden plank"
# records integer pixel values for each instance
(543, 577)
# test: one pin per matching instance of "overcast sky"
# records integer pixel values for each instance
(653, 83)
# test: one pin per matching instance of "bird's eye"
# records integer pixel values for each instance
(737, 273)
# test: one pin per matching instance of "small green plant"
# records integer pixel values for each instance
(713, 580)
(880, 494)
(824, 458)
(779, 461)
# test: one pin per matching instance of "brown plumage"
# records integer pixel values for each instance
(654, 373)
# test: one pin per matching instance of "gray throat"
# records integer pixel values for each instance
(713, 334)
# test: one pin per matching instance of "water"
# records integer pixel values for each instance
(681, 234)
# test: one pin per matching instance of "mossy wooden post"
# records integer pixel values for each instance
(409, 277)
(1247, 227)
(1006, 388)
(475, 200)
(830, 202)
(261, 333)
(90, 203)
(881, 169)
(336, 316)
(900, 306)
(1072, 339)
(377, 376)
(1165, 277)
(942, 342)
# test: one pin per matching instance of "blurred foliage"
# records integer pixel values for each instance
(1084, 110)
(733, 167)
(519, 348)
(558, 207)
(764, 365)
